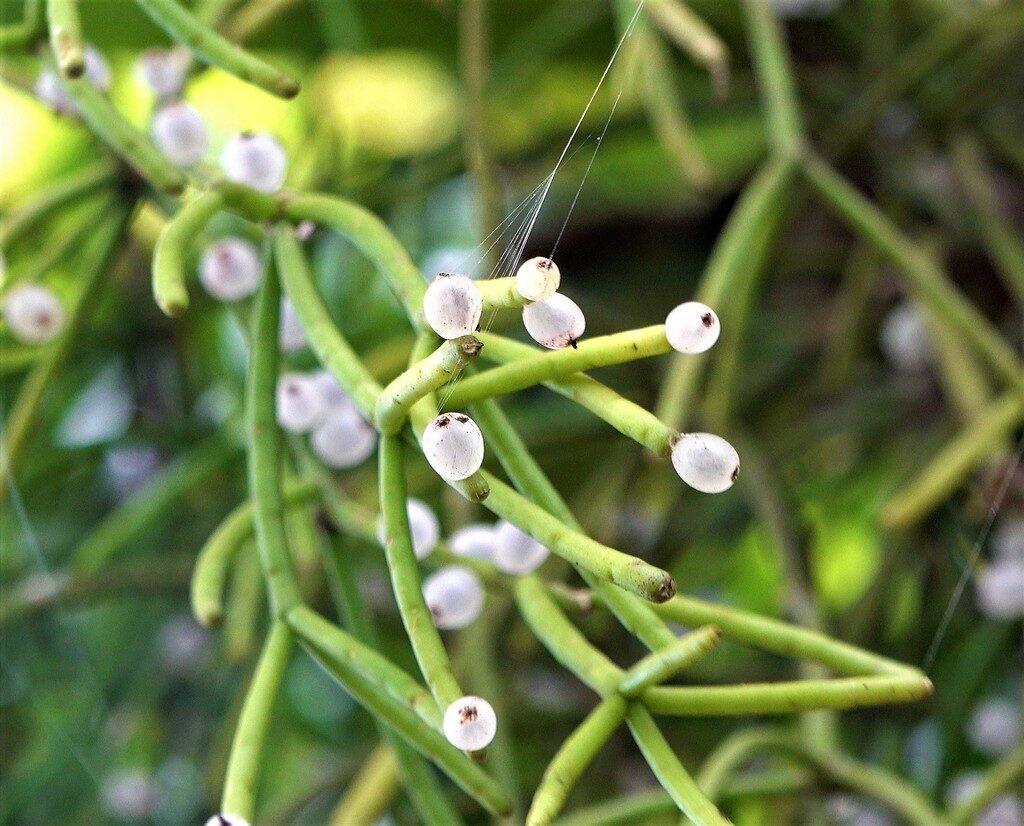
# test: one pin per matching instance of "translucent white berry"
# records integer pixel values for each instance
(180, 133)
(537, 279)
(304, 230)
(300, 406)
(994, 726)
(255, 159)
(705, 462)
(230, 269)
(454, 596)
(331, 391)
(476, 540)
(904, 338)
(1008, 539)
(555, 322)
(454, 446)
(226, 819)
(469, 723)
(516, 552)
(33, 312)
(423, 525)
(692, 327)
(291, 337)
(344, 439)
(97, 70)
(50, 92)
(452, 305)
(163, 71)
(1000, 589)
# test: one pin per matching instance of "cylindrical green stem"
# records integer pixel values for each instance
(607, 564)
(500, 292)
(172, 248)
(422, 378)
(265, 448)
(695, 37)
(214, 560)
(66, 36)
(551, 365)
(325, 339)
(405, 577)
(239, 796)
(994, 782)
(659, 665)
(218, 51)
(371, 791)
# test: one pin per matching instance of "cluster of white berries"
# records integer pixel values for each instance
(230, 269)
(999, 585)
(470, 723)
(509, 549)
(50, 91)
(315, 404)
(33, 313)
(255, 159)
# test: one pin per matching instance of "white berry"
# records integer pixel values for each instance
(705, 462)
(230, 269)
(994, 726)
(516, 552)
(555, 322)
(344, 439)
(537, 279)
(49, 90)
(255, 159)
(454, 446)
(423, 526)
(300, 406)
(226, 819)
(97, 70)
(692, 327)
(452, 305)
(1008, 539)
(163, 71)
(454, 596)
(34, 313)
(904, 338)
(331, 391)
(291, 337)
(469, 723)
(180, 133)
(1000, 589)
(476, 540)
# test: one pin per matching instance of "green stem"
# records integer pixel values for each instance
(66, 36)
(125, 140)
(774, 75)
(425, 376)
(373, 239)
(172, 248)
(246, 760)
(371, 791)
(927, 279)
(572, 758)
(695, 37)
(666, 662)
(867, 780)
(405, 578)
(240, 635)
(629, 809)
(669, 771)
(217, 50)
(214, 559)
(23, 415)
(606, 564)
(72, 187)
(136, 516)
(551, 365)
(344, 659)
(996, 780)
(500, 293)
(254, 17)
(265, 448)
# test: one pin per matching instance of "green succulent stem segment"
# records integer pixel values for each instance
(124, 139)
(265, 448)
(424, 377)
(214, 560)
(371, 791)
(65, 27)
(500, 292)
(542, 366)
(627, 417)
(664, 663)
(172, 247)
(872, 782)
(326, 341)
(345, 659)
(246, 759)
(217, 50)
(405, 577)
(604, 563)
(695, 37)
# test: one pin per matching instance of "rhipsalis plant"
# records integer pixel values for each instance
(318, 407)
